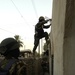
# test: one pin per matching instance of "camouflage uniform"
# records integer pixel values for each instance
(39, 32)
(18, 68)
(9, 48)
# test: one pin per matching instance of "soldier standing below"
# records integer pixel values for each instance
(39, 31)
(11, 65)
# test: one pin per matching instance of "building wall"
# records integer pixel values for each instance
(63, 36)
(69, 39)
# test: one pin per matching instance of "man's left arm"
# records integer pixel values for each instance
(47, 26)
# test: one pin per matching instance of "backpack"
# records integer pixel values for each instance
(5, 70)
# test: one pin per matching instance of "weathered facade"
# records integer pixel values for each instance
(63, 37)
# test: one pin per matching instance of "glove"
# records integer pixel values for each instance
(49, 20)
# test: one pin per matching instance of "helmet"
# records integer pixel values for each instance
(41, 18)
(8, 44)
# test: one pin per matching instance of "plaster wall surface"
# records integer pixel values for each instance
(63, 36)
(58, 19)
(69, 39)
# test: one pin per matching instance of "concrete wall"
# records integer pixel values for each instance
(63, 35)
(69, 39)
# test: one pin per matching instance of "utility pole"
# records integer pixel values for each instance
(39, 48)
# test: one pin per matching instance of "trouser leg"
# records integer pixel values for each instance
(46, 36)
(36, 42)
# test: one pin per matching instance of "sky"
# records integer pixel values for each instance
(18, 17)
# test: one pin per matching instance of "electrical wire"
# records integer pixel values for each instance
(34, 8)
(19, 12)
(7, 31)
(21, 16)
